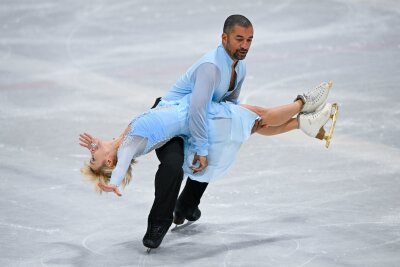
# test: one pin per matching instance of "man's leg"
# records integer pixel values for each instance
(188, 202)
(167, 183)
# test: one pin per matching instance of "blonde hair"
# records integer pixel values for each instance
(103, 175)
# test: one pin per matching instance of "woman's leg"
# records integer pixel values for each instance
(290, 125)
(278, 115)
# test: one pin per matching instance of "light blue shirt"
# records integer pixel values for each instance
(207, 80)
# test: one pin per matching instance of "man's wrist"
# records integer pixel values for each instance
(202, 152)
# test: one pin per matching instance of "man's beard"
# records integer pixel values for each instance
(240, 54)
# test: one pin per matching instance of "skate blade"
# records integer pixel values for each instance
(148, 250)
(181, 226)
(334, 113)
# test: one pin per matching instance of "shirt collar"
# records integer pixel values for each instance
(228, 59)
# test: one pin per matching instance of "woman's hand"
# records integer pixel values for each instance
(86, 140)
(109, 188)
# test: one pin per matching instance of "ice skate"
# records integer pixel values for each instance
(155, 234)
(182, 226)
(328, 137)
(181, 213)
(316, 98)
(312, 124)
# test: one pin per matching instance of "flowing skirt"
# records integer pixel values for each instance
(229, 126)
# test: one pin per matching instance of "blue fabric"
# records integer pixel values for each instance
(229, 126)
(160, 124)
(207, 80)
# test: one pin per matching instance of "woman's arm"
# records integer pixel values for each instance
(131, 148)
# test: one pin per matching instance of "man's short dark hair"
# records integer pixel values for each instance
(234, 20)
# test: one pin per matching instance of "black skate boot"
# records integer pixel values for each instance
(181, 213)
(179, 216)
(187, 205)
(193, 215)
(155, 234)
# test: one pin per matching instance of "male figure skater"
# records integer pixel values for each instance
(217, 76)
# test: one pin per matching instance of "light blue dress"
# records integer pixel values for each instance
(229, 125)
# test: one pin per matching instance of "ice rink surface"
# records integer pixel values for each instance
(73, 66)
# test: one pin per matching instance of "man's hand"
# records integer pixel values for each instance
(109, 188)
(202, 161)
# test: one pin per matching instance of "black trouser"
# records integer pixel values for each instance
(190, 196)
(167, 181)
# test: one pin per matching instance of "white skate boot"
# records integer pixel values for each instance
(316, 98)
(312, 124)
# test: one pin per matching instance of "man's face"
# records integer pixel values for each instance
(237, 42)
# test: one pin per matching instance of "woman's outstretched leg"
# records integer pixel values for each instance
(290, 125)
(306, 103)
(311, 124)
(276, 116)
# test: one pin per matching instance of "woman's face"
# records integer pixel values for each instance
(99, 154)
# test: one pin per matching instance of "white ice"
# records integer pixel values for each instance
(73, 66)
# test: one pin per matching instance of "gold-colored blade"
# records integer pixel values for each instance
(328, 137)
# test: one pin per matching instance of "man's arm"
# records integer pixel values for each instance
(206, 79)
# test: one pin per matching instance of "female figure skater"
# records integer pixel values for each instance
(229, 126)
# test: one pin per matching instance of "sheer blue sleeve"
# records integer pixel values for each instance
(131, 148)
(206, 79)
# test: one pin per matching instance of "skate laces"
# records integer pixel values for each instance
(315, 114)
(326, 109)
(310, 97)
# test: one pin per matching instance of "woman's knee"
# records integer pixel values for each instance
(271, 116)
